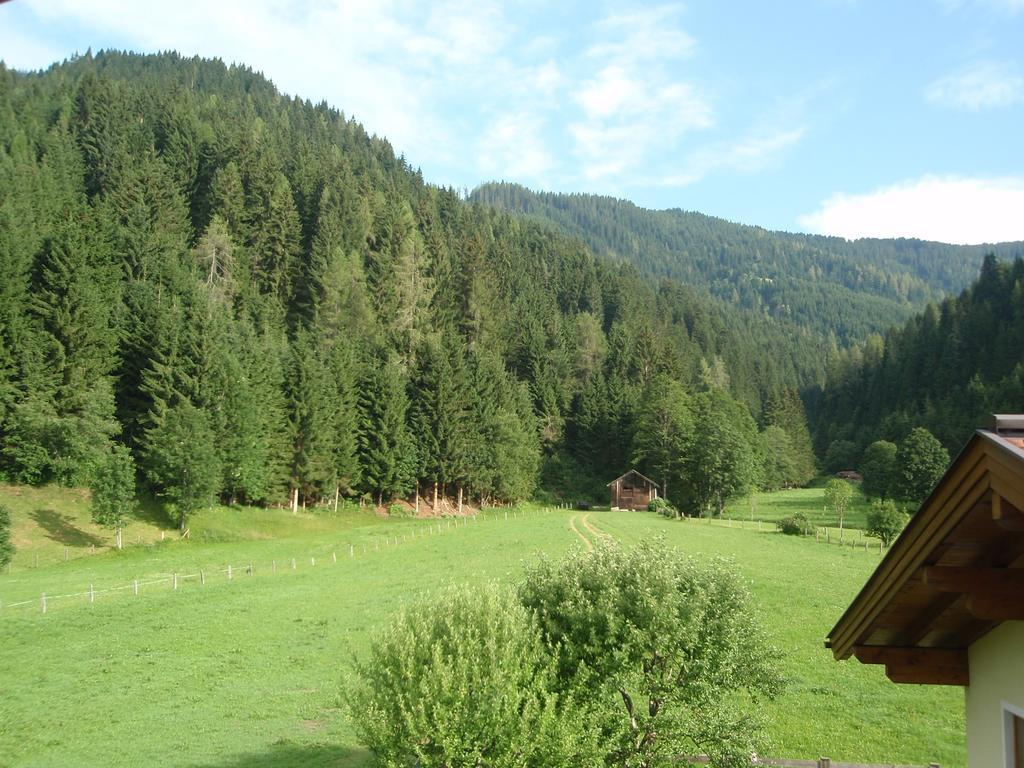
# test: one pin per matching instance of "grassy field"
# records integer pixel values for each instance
(251, 671)
(770, 507)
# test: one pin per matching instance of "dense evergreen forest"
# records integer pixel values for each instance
(947, 369)
(829, 285)
(265, 304)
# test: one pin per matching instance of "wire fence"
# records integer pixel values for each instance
(852, 538)
(231, 572)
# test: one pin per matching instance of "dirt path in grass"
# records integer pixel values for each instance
(572, 526)
(594, 531)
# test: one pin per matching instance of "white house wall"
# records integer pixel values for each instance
(997, 684)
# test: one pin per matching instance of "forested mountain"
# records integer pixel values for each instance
(826, 284)
(946, 369)
(264, 303)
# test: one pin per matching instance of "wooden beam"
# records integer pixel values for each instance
(1005, 515)
(882, 654)
(914, 632)
(1002, 606)
(928, 675)
(974, 580)
(933, 666)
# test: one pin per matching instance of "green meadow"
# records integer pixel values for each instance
(252, 670)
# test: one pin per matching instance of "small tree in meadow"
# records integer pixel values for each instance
(838, 494)
(886, 520)
(113, 491)
(465, 680)
(6, 545)
(662, 650)
(920, 462)
(182, 462)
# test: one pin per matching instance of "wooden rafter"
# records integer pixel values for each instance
(934, 666)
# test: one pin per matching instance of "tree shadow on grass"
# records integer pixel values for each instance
(62, 529)
(297, 756)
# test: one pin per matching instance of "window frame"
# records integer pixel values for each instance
(1013, 718)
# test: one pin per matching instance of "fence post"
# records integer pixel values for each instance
(229, 572)
(293, 563)
(202, 577)
(174, 580)
(65, 554)
(334, 556)
(92, 595)
(42, 602)
(824, 762)
(312, 561)
(351, 550)
(135, 586)
(250, 569)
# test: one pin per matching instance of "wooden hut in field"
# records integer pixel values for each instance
(632, 491)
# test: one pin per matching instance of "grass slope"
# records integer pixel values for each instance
(251, 672)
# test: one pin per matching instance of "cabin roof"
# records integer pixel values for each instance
(632, 472)
(955, 573)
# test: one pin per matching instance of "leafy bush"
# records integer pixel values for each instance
(6, 546)
(465, 681)
(886, 520)
(795, 525)
(399, 510)
(662, 651)
(662, 507)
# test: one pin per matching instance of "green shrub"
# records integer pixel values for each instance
(465, 681)
(885, 520)
(795, 525)
(662, 650)
(6, 546)
(662, 507)
(399, 510)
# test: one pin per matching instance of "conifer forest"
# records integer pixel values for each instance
(265, 305)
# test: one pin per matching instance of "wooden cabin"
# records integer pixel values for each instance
(946, 605)
(632, 491)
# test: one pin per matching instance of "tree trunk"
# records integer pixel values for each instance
(295, 500)
(337, 493)
(417, 498)
(117, 536)
(435, 497)
(460, 498)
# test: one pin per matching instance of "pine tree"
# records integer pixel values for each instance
(181, 462)
(113, 491)
(6, 545)
(664, 431)
(386, 449)
(723, 460)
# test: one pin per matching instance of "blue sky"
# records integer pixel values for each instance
(845, 117)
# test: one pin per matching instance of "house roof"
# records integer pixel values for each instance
(632, 472)
(955, 572)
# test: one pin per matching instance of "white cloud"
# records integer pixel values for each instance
(512, 148)
(388, 63)
(634, 109)
(947, 209)
(649, 34)
(981, 86)
(750, 154)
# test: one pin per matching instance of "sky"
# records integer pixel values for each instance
(846, 117)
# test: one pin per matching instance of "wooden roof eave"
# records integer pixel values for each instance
(964, 484)
(631, 472)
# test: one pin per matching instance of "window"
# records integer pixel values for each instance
(1013, 721)
(1018, 741)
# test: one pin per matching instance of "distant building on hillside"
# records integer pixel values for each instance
(946, 605)
(632, 491)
